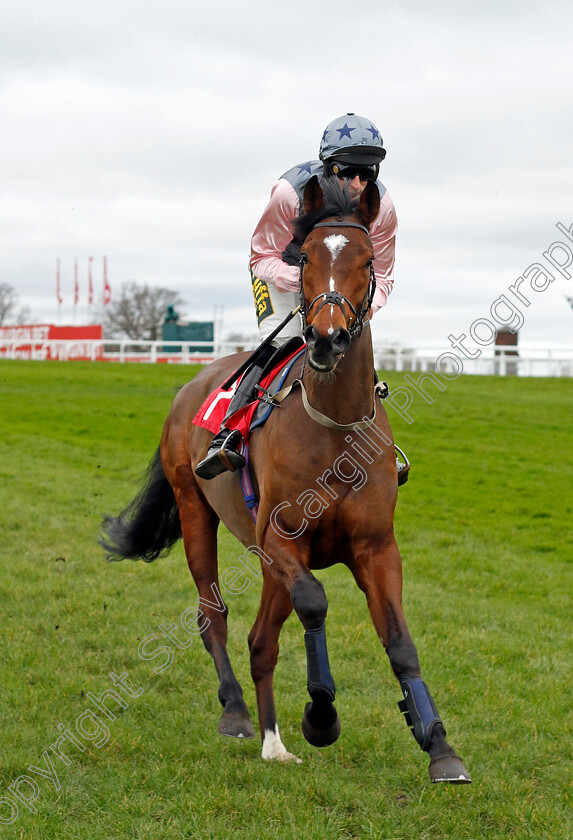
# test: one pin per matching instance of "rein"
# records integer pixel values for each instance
(336, 298)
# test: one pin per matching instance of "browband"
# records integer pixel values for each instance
(343, 224)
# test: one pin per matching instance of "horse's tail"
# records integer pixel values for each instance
(149, 525)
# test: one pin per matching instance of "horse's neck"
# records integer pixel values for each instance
(347, 394)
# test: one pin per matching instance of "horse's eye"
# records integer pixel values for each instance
(304, 257)
(369, 264)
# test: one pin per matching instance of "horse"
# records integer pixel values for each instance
(324, 473)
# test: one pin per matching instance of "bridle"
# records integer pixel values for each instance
(335, 298)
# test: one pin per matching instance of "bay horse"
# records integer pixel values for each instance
(324, 473)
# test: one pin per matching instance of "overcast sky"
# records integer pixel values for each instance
(153, 132)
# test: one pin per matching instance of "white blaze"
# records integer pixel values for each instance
(335, 243)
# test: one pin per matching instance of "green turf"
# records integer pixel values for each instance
(484, 526)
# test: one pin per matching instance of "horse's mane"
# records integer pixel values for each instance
(337, 203)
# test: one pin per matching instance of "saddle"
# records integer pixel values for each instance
(213, 411)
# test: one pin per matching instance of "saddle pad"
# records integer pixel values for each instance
(212, 413)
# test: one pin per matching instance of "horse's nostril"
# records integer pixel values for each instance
(340, 340)
(311, 335)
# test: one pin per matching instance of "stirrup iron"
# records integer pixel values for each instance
(402, 465)
(221, 455)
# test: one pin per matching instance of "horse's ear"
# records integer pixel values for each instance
(369, 204)
(313, 197)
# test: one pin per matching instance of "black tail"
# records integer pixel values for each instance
(149, 525)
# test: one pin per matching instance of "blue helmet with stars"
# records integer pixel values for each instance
(352, 139)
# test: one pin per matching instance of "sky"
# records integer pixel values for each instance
(152, 133)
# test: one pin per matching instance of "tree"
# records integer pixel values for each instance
(9, 312)
(139, 312)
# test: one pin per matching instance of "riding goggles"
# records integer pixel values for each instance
(350, 171)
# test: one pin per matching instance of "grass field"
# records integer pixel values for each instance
(484, 526)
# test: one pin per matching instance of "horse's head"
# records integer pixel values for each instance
(337, 279)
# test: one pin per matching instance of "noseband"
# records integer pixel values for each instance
(336, 298)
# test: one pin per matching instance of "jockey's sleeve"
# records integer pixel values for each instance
(272, 234)
(383, 238)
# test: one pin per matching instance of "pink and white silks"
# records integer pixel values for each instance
(274, 232)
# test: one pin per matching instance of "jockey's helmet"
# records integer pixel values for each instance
(352, 140)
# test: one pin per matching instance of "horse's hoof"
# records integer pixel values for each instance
(449, 769)
(236, 725)
(319, 737)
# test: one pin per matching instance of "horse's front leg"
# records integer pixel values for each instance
(320, 723)
(274, 609)
(378, 572)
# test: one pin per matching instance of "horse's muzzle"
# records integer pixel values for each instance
(325, 351)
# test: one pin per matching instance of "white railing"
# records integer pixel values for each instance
(530, 361)
(117, 350)
(502, 360)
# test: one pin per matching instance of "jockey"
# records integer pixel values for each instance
(351, 150)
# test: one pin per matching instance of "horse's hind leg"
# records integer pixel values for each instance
(199, 527)
(379, 575)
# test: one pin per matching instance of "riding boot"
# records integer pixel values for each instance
(222, 454)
